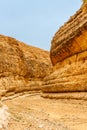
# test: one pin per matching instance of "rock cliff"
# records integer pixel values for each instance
(22, 67)
(69, 57)
(70, 38)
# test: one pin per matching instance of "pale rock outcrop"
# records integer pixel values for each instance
(4, 116)
(69, 57)
(22, 67)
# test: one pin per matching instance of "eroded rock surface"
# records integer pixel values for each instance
(69, 56)
(22, 67)
(70, 38)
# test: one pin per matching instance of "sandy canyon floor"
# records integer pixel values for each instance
(32, 112)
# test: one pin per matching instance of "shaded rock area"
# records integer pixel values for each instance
(22, 67)
(69, 57)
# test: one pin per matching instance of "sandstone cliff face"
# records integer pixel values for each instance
(22, 67)
(71, 38)
(69, 56)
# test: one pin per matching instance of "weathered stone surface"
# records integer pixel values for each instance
(69, 78)
(69, 57)
(22, 67)
(71, 38)
(74, 95)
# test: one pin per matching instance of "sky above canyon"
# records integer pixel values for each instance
(35, 21)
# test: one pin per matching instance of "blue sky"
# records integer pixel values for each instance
(35, 21)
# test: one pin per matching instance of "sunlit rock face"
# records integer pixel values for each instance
(71, 38)
(69, 57)
(22, 67)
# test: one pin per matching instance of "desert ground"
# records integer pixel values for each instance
(32, 112)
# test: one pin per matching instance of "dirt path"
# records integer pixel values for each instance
(31, 112)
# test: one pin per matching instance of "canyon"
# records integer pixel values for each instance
(41, 90)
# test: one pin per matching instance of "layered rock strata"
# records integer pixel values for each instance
(70, 38)
(69, 56)
(22, 67)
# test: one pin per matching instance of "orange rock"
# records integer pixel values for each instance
(70, 38)
(69, 57)
(22, 67)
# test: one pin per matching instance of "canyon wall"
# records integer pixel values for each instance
(69, 57)
(22, 67)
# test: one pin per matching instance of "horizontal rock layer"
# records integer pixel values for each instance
(22, 67)
(69, 57)
(74, 95)
(70, 38)
(69, 76)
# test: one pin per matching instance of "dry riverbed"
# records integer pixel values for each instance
(32, 112)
